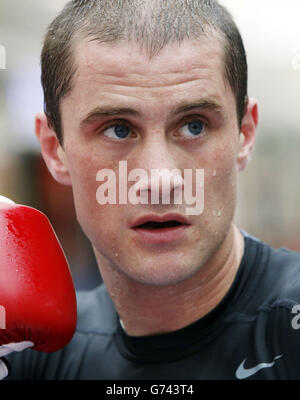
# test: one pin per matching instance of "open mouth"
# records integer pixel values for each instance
(160, 230)
(152, 225)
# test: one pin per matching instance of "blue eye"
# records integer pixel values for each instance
(193, 128)
(117, 132)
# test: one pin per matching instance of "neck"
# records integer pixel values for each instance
(147, 310)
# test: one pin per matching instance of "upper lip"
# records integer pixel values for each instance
(160, 218)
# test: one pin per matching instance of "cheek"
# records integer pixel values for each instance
(83, 175)
(84, 164)
(97, 221)
(220, 183)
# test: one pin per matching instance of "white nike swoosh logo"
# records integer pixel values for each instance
(243, 372)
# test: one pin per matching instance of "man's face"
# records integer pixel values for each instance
(155, 124)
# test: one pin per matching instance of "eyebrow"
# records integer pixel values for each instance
(203, 104)
(107, 111)
(102, 112)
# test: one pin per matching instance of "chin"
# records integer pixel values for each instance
(162, 274)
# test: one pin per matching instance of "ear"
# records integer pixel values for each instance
(248, 134)
(52, 151)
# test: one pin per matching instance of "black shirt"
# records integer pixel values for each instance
(252, 334)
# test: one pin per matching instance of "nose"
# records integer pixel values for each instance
(163, 186)
(163, 182)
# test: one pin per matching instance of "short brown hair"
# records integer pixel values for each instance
(150, 23)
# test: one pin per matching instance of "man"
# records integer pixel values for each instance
(162, 85)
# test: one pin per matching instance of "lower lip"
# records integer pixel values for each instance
(161, 236)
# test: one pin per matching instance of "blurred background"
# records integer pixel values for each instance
(269, 190)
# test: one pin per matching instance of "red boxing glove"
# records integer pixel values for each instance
(37, 295)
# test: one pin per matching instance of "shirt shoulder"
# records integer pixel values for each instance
(96, 322)
(282, 276)
(95, 311)
(269, 276)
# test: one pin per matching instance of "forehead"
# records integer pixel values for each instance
(123, 76)
(127, 62)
